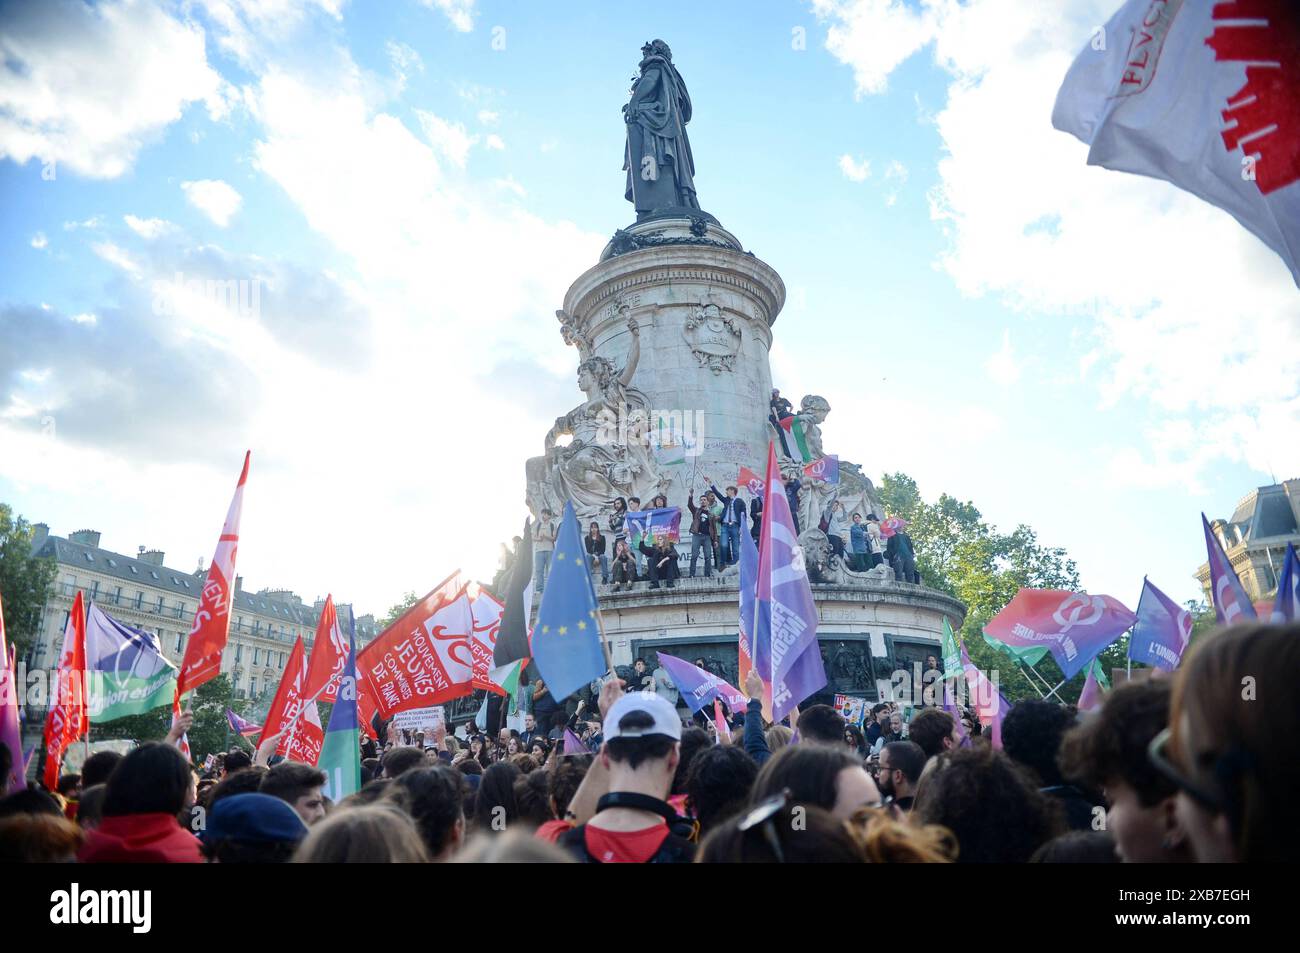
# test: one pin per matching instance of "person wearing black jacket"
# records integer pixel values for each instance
(756, 516)
(661, 560)
(703, 530)
(596, 546)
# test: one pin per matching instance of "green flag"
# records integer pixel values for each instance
(126, 672)
(507, 677)
(340, 755)
(951, 653)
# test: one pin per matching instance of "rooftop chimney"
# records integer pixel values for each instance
(154, 557)
(86, 537)
(40, 533)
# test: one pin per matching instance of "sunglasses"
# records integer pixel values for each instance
(764, 815)
(1227, 767)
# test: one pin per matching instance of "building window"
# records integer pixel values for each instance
(139, 599)
(281, 661)
(94, 589)
(179, 638)
(252, 687)
(239, 652)
(117, 595)
(160, 604)
(257, 656)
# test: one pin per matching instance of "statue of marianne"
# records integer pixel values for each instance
(660, 169)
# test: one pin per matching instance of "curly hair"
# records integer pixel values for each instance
(1031, 734)
(1112, 744)
(991, 804)
(885, 840)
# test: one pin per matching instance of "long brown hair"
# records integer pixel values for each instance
(1235, 726)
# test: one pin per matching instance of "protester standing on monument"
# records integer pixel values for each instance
(837, 527)
(859, 543)
(703, 531)
(900, 555)
(544, 531)
(730, 524)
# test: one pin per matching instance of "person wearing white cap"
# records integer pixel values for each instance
(633, 774)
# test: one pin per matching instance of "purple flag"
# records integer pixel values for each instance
(573, 744)
(1162, 630)
(1287, 606)
(1093, 687)
(699, 687)
(785, 616)
(1230, 601)
(10, 734)
(748, 583)
(986, 699)
(245, 729)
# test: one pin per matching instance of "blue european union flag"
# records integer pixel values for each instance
(566, 637)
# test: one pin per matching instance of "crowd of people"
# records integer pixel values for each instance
(1200, 766)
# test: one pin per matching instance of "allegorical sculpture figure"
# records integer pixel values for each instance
(660, 169)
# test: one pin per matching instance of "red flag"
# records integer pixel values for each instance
(751, 481)
(212, 618)
(329, 655)
(68, 719)
(301, 739)
(486, 610)
(424, 658)
(720, 722)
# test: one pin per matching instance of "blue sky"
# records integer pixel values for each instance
(415, 185)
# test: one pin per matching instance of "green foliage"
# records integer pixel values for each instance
(959, 553)
(209, 734)
(396, 611)
(25, 583)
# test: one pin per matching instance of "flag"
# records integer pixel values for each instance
(10, 731)
(293, 714)
(566, 639)
(952, 708)
(68, 718)
(952, 664)
(1162, 630)
(796, 440)
(672, 443)
(424, 658)
(512, 638)
(826, 468)
(485, 612)
(785, 617)
(340, 754)
(245, 729)
(126, 671)
(719, 720)
(1287, 606)
(891, 526)
(504, 680)
(748, 586)
(989, 704)
(573, 744)
(1219, 117)
(751, 481)
(329, 653)
(1093, 686)
(211, 623)
(655, 524)
(1230, 601)
(1073, 626)
(698, 687)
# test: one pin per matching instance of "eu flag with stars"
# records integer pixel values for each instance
(566, 638)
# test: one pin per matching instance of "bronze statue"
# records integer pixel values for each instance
(660, 169)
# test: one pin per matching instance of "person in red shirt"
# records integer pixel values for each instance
(629, 781)
(146, 794)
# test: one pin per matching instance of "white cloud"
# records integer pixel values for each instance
(510, 184)
(115, 255)
(405, 61)
(86, 318)
(39, 241)
(487, 117)
(1002, 366)
(855, 171)
(214, 198)
(895, 177)
(459, 12)
(1187, 310)
(449, 138)
(493, 141)
(88, 85)
(148, 228)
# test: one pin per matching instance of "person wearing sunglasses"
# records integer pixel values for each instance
(1108, 751)
(1232, 747)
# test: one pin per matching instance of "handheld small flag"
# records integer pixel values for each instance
(245, 729)
(751, 481)
(340, 753)
(1286, 608)
(68, 719)
(796, 441)
(697, 686)
(573, 744)
(1093, 687)
(566, 640)
(504, 680)
(1162, 631)
(826, 468)
(1230, 601)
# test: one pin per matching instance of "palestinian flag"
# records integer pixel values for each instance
(795, 439)
(504, 680)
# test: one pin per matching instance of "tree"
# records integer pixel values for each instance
(26, 583)
(396, 611)
(209, 733)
